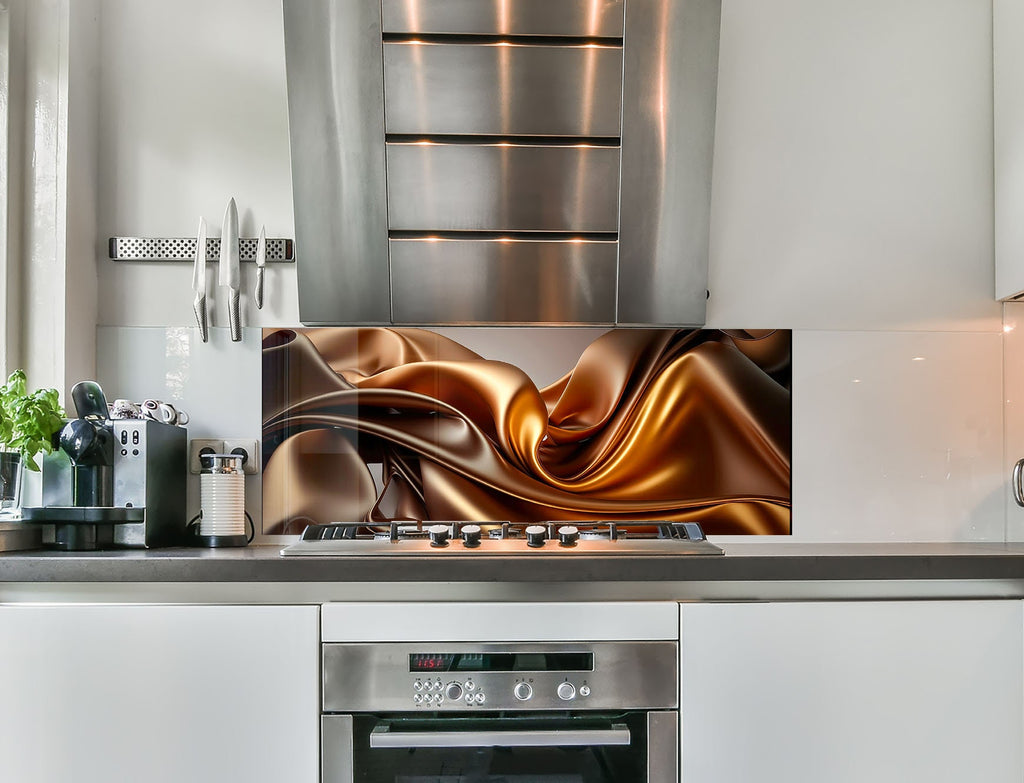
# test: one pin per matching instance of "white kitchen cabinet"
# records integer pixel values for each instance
(161, 694)
(927, 691)
(1008, 132)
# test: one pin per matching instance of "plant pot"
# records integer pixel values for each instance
(11, 469)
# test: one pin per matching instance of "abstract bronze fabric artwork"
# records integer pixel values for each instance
(377, 424)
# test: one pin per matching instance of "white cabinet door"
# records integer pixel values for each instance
(1008, 120)
(161, 694)
(898, 692)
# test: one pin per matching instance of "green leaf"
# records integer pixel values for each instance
(28, 422)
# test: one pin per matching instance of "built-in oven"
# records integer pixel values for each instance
(518, 712)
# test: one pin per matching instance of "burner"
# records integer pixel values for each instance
(477, 539)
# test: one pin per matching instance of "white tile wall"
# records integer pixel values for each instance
(217, 383)
(897, 436)
(193, 111)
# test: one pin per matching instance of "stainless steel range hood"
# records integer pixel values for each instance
(502, 161)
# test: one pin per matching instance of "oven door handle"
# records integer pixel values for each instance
(383, 737)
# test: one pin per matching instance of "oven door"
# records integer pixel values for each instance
(630, 747)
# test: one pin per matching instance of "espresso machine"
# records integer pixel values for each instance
(112, 482)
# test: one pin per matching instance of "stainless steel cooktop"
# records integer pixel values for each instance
(468, 539)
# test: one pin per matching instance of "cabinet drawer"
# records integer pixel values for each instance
(502, 187)
(597, 18)
(502, 281)
(502, 89)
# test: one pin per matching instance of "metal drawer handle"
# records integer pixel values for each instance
(383, 737)
(1018, 486)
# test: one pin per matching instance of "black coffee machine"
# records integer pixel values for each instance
(114, 482)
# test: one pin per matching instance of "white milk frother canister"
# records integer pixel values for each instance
(222, 498)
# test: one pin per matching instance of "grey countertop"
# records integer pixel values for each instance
(742, 562)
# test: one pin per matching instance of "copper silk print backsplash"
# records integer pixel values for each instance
(377, 424)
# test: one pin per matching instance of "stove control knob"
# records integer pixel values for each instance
(522, 691)
(535, 535)
(566, 691)
(453, 692)
(438, 535)
(471, 535)
(568, 535)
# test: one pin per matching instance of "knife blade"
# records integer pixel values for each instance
(199, 281)
(229, 274)
(261, 262)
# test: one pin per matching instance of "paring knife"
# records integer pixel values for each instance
(261, 262)
(229, 275)
(199, 281)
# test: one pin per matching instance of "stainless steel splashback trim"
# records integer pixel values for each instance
(670, 70)
(590, 18)
(336, 128)
(434, 88)
(503, 281)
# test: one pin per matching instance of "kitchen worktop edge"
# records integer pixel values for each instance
(756, 562)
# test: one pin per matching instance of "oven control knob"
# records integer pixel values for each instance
(535, 535)
(522, 691)
(568, 535)
(471, 535)
(453, 692)
(566, 691)
(584, 690)
(438, 535)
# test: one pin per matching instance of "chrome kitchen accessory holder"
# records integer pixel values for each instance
(223, 518)
(170, 249)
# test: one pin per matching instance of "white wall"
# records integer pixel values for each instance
(852, 202)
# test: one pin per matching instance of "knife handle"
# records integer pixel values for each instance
(258, 293)
(234, 317)
(199, 306)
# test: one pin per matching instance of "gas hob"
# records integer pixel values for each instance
(469, 539)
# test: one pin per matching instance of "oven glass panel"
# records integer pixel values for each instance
(502, 662)
(547, 764)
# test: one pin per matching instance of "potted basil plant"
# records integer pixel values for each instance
(28, 423)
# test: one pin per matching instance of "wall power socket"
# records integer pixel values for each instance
(248, 447)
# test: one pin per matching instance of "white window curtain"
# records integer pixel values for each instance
(48, 153)
(5, 186)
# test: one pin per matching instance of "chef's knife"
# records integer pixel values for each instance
(229, 275)
(199, 281)
(261, 261)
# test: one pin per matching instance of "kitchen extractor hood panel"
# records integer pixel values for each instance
(335, 124)
(502, 187)
(439, 88)
(502, 281)
(591, 18)
(525, 120)
(669, 131)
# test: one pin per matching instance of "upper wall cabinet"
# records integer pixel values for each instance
(502, 161)
(1008, 107)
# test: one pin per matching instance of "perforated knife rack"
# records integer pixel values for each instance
(279, 251)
